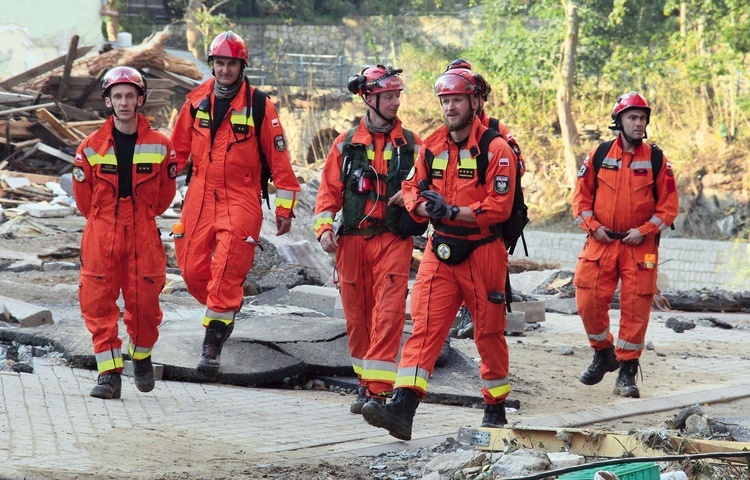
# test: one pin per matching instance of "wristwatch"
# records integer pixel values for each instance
(454, 212)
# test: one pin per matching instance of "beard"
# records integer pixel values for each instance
(458, 124)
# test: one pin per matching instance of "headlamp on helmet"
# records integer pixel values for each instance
(376, 80)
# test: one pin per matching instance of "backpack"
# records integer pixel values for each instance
(259, 113)
(657, 160)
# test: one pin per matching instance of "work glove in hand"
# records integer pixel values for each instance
(436, 206)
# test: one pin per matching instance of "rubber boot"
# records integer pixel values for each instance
(108, 385)
(625, 385)
(143, 371)
(604, 361)
(217, 333)
(397, 416)
(494, 416)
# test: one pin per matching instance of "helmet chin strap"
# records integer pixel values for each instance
(376, 107)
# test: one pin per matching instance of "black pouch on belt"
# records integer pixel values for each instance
(455, 250)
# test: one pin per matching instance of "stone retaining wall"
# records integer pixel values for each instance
(684, 263)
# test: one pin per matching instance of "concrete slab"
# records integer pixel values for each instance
(25, 314)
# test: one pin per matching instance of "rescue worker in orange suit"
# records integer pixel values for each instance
(363, 175)
(124, 177)
(222, 215)
(465, 328)
(465, 260)
(623, 209)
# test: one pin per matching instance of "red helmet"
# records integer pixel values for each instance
(628, 101)
(482, 85)
(230, 45)
(375, 80)
(460, 80)
(119, 75)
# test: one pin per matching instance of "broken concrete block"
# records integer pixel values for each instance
(26, 314)
(322, 299)
(516, 322)
(27, 265)
(127, 369)
(45, 210)
(57, 266)
(534, 310)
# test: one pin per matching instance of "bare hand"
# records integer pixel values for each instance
(397, 199)
(283, 225)
(634, 237)
(600, 235)
(328, 241)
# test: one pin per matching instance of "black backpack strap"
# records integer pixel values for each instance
(494, 124)
(482, 158)
(428, 158)
(259, 113)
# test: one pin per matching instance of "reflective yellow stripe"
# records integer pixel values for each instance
(323, 218)
(150, 153)
(379, 375)
(139, 353)
(439, 163)
(468, 163)
(357, 369)
(109, 360)
(241, 119)
(286, 199)
(200, 114)
(211, 315)
(412, 377)
(94, 158)
(499, 391)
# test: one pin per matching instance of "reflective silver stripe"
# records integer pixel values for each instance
(150, 153)
(464, 154)
(641, 164)
(630, 346)
(219, 315)
(357, 366)
(611, 162)
(417, 149)
(488, 384)
(109, 360)
(379, 370)
(600, 337)
(323, 218)
(340, 146)
(286, 198)
(412, 377)
(587, 213)
(658, 222)
(579, 220)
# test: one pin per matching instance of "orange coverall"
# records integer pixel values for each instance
(440, 288)
(222, 213)
(121, 245)
(373, 269)
(624, 200)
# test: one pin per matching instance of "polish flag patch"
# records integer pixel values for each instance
(275, 122)
(504, 162)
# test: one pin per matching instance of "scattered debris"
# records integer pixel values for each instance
(678, 325)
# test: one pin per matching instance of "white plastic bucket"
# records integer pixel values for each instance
(677, 475)
(125, 39)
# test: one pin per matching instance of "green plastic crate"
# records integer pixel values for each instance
(624, 471)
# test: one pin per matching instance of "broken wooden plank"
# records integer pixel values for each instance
(26, 109)
(76, 113)
(61, 129)
(68, 66)
(188, 85)
(43, 68)
(10, 97)
(56, 153)
(44, 132)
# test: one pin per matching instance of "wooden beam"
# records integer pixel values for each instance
(77, 113)
(56, 125)
(188, 85)
(61, 90)
(95, 82)
(43, 68)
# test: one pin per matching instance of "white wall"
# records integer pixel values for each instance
(33, 32)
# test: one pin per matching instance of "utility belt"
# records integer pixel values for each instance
(452, 250)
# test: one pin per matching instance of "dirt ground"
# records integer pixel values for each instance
(544, 379)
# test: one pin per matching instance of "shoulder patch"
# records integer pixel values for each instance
(275, 122)
(504, 162)
(78, 174)
(79, 158)
(586, 161)
(582, 171)
(279, 142)
(411, 174)
(172, 170)
(502, 184)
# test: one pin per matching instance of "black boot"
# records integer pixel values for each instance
(356, 406)
(108, 385)
(143, 371)
(216, 334)
(397, 416)
(494, 416)
(625, 385)
(604, 361)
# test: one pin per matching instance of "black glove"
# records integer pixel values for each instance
(436, 206)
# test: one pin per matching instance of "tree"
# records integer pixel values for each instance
(202, 24)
